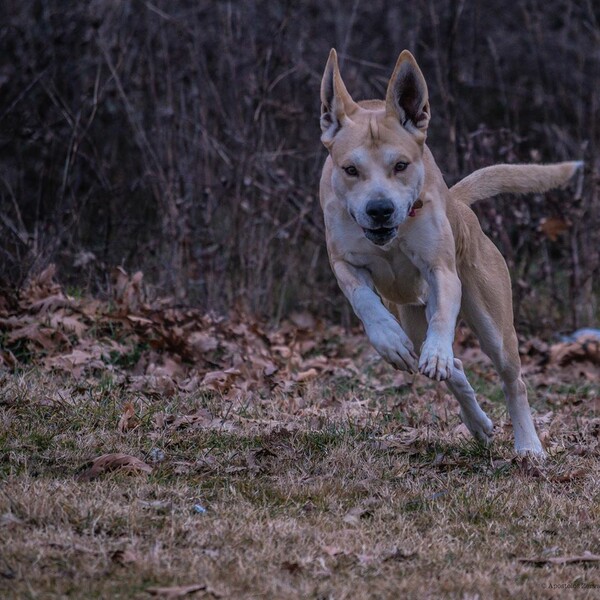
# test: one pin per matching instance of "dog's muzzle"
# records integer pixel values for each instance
(385, 226)
(380, 212)
(381, 235)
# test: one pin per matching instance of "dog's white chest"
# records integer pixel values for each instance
(395, 277)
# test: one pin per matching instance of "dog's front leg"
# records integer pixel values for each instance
(383, 330)
(437, 358)
(430, 244)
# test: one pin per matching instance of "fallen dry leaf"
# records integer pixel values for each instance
(68, 323)
(396, 554)
(113, 462)
(41, 286)
(124, 557)
(127, 420)
(50, 303)
(561, 560)
(583, 349)
(137, 320)
(127, 289)
(203, 420)
(177, 591)
(270, 369)
(571, 475)
(43, 336)
(152, 384)
(306, 375)
(354, 515)
(220, 380)
(552, 227)
(303, 320)
(202, 343)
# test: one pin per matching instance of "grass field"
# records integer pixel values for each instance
(339, 491)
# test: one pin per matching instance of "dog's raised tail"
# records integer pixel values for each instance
(513, 179)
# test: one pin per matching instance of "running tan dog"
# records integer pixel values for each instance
(408, 253)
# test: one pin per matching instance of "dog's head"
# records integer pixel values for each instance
(377, 147)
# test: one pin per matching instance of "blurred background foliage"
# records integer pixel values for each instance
(182, 139)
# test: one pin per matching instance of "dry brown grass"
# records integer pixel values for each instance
(340, 492)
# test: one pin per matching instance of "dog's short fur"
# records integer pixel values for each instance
(408, 253)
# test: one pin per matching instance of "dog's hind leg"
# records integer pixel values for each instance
(502, 348)
(487, 308)
(414, 323)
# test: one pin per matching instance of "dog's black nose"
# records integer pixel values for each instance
(380, 210)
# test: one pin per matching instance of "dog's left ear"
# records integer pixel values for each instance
(407, 97)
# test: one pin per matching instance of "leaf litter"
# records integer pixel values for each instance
(153, 347)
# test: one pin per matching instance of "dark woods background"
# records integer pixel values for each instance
(182, 138)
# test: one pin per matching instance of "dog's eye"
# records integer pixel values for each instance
(351, 171)
(400, 166)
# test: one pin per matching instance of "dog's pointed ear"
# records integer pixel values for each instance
(407, 97)
(336, 102)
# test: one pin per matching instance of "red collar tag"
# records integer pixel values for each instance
(413, 211)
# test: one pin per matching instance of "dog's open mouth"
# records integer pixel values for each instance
(381, 236)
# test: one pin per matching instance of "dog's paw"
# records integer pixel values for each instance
(436, 360)
(533, 451)
(394, 346)
(480, 426)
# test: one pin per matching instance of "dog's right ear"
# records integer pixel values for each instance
(336, 102)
